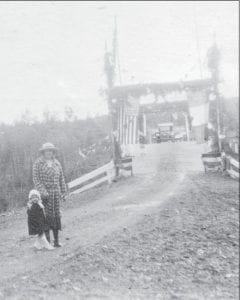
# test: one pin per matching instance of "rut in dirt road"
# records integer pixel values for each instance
(158, 175)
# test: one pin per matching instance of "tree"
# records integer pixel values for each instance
(68, 114)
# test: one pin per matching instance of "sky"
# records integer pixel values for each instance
(51, 53)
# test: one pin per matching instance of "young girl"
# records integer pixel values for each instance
(37, 220)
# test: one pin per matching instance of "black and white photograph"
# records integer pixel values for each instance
(119, 150)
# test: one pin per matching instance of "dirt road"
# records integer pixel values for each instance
(168, 232)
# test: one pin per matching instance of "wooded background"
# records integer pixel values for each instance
(83, 146)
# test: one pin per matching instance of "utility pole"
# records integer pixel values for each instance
(218, 112)
(197, 41)
(213, 64)
(110, 71)
(116, 59)
(187, 125)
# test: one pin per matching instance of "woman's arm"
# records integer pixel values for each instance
(62, 183)
(37, 182)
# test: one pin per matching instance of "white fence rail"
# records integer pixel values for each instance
(233, 167)
(126, 165)
(92, 179)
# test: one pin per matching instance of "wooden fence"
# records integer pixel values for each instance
(126, 164)
(104, 174)
(232, 166)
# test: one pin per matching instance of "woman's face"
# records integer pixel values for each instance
(48, 154)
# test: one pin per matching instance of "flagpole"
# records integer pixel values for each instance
(213, 64)
(110, 71)
(197, 40)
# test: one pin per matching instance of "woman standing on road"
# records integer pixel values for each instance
(49, 180)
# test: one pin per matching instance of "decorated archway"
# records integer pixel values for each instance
(129, 107)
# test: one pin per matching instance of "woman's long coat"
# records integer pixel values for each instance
(49, 181)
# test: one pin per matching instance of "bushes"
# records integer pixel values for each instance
(19, 144)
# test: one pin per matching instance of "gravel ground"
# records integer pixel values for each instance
(185, 248)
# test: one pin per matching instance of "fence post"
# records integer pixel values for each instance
(111, 173)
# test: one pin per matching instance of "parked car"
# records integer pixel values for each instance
(165, 132)
(179, 137)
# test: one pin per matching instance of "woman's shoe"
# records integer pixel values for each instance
(49, 247)
(57, 245)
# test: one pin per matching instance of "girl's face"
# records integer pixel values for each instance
(48, 154)
(34, 199)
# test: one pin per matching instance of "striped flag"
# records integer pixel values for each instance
(127, 128)
(199, 111)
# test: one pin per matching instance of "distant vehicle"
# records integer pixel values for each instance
(179, 137)
(156, 137)
(164, 133)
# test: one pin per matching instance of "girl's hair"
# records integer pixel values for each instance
(34, 193)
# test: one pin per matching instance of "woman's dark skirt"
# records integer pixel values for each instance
(53, 223)
(53, 220)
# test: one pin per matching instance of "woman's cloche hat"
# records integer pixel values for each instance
(48, 146)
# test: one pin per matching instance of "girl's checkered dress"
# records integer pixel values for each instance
(49, 181)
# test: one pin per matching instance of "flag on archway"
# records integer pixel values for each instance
(199, 112)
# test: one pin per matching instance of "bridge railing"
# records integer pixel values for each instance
(126, 164)
(104, 174)
(232, 167)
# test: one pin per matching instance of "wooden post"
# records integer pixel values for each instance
(213, 64)
(219, 124)
(187, 126)
(215, 76)
(144, 125)
(110, 70)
